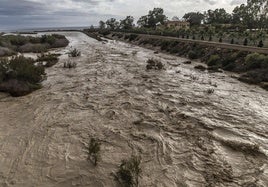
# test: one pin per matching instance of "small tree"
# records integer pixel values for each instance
(127, 23)
(232, 36)
(94, 151)
(260, 44)
(220, 35)
(112, 23)
(210, 38)
(245, 42)
(102, 25)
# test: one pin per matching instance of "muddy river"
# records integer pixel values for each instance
(185, 135)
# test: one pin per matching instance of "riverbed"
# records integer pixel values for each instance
(191, 128)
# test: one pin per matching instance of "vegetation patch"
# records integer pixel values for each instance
(69, 65)
(49, 59)
(256, 61)
(129, 172)
(154, 64)
(19, 76)
(210, 91)
(200, 67)
(192, 54)
(214, 60)
(74, 53)
(11, 44)
(94, 149)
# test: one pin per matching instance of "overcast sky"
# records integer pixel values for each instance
(16, 14)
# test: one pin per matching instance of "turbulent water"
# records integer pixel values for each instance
(185, 136)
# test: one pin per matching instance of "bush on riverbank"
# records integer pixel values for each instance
(214, 60)
(256, 61)
(11, 44)
(19, 76)
(49, 59)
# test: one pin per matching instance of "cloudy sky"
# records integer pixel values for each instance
(17, 14)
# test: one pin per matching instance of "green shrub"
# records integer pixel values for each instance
(164, 44)
(174, 50)
(18, 40)
(228, 63)
(50, 39)
(126, 37)
(35, 48)
(129, 172)
(19, 76)
(192, 54)
(74, 53)
(4, 66)
(132, 37)
(105, 32)
(23, 44)
(94, 151)
(210, 91)
(230, 66)
(245, 42)
(214, 60)
(154, 64)
(24, 69)
(119, 35)
(260, 43)
(50, 59)
(69, 65)
(255, 61)
(241, 54)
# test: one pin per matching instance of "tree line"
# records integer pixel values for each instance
(252, 15)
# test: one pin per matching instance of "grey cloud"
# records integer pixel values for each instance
(29, 13)
(211, 2)
(14, 7)
(237, 2)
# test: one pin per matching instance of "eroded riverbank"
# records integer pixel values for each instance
(186, 137)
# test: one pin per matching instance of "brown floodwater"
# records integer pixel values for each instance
(185, 136)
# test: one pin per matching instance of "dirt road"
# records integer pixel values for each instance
(186, 137)
(210, 43)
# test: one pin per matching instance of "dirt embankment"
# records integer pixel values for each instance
(217, 57)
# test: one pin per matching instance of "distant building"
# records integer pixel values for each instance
(177, 25)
